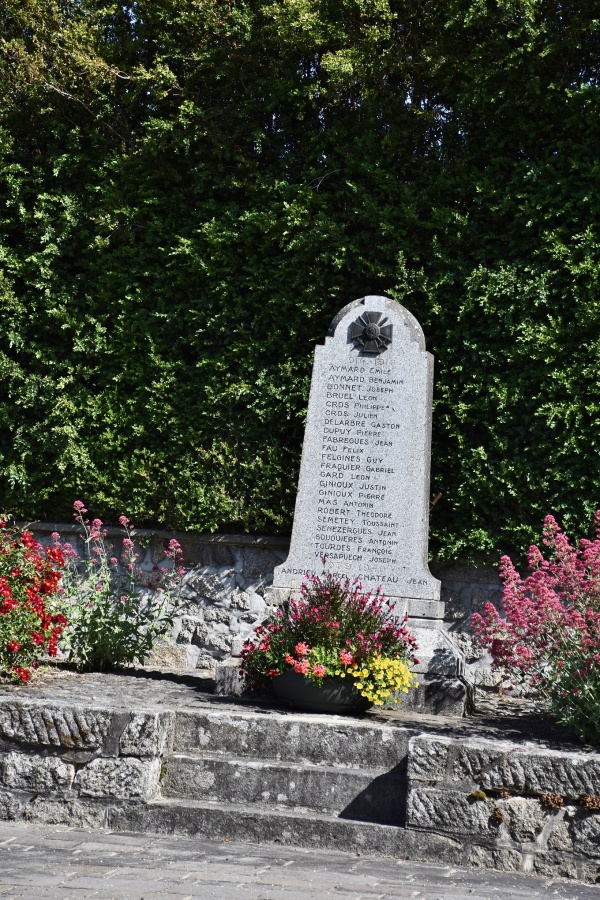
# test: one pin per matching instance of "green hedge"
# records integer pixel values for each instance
(190, 191)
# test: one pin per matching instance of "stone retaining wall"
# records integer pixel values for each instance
(520, 809)
(224, 593)
(68, 763)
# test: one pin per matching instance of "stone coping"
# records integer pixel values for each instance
(496, 718)
(184, 537)
(441, 568)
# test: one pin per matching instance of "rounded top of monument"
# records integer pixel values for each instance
(369, 320)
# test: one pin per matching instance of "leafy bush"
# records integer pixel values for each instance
(116, 610)
(191, 191)
(334, 629)
(550, 639)
(31, 615)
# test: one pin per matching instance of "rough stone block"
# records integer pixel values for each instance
(122, 779)
(9, 806)
(467, 574)
(36, 773)
(53, 726)
(427, 759)
(524, 818)
(485, 676)
(448, 811)
(259, 561)
(147, 734)
(486, 858)
(216, 614)
(454, 608)
(586, 834)
(75, 813)
(220, 644)
(215, 586)
(472, 760)
(186, 629)
(561, 865)
(436, 695)
(559, 835)
(240, 600)
(219, 555)
(535, 772)
(194, 552)
(228, 681)
(464, 641)
(200, 634)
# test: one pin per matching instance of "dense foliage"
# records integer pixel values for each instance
(335, 629)
(191, 190)
(549, 641)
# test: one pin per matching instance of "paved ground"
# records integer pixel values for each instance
(43, 862)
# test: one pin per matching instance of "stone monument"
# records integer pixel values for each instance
(363, 493)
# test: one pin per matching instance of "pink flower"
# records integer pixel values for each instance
(319, 671)
(346, 658)
(124, 521)
(302, 667)
(302, 649)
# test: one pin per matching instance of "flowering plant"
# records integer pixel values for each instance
(336, 628)
(116, 609)
(31, 615)
(550, 638)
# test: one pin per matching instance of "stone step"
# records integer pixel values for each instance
(296, 737)
(236, 822)
(362, 794)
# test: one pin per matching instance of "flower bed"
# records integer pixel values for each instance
(102, 611)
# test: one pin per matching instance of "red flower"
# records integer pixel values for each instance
(13, 646)
(24, 674)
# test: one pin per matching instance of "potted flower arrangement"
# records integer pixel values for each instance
(338, 648)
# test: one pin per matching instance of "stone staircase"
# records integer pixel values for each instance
(160, 756)
(309, 780)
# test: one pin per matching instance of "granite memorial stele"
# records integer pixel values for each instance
(363, 493)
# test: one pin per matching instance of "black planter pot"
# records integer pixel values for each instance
(335, 695)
